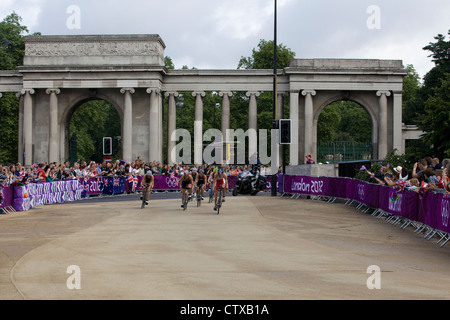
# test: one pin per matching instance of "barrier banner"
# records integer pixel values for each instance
(410, 204)
(432, 209)
(280, 183)
(442, 219)
(6, 196)
(429, 209)
(317, 186)
(338, 187)
(37, 194)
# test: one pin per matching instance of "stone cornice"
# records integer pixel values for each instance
(95, 38)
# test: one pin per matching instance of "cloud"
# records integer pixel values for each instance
(29, 10)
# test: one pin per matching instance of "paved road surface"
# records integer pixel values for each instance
(259, 247)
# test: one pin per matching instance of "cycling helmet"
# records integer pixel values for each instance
(149, 173)
(200, 171)
(216, 169)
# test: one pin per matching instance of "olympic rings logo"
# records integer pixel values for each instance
(172, 182)
(361, 191)
(445, 213)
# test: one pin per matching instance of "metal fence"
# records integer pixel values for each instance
(335, 152)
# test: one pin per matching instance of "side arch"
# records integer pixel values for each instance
(74, 101)
(361, 100)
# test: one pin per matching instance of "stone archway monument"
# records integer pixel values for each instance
(62, 72)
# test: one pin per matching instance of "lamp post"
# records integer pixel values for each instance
(274, 98)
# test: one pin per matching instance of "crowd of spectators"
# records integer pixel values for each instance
(427, 174)
(17, 174)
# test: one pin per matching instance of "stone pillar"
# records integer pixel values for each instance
(171, 124)
(27, 125)
(154, 121)
(397, 123)
(308, 121)
(382, 133)
(127, 134)
(198, 127)
(225, 122)
(252, 123)
(294, 116)
(53, 148)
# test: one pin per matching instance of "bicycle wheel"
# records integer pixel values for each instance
(144, 197)
(219, 200)
(211, 195)
(199, 198)
(185, 200)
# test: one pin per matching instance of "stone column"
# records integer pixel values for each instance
(293, 114)
(397, 123)
(171, 124)
(382, 133)
(198, 127)
(308, 121)
(225, 122)
(53, 148)
(252, 123)
(127, 134)
(154, 139)
(27, 125)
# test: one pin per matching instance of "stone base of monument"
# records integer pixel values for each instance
(312, 170)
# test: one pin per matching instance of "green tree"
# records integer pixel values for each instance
(436, 120)
(12, 51)
(91, 122)
(435, 98)
(344, 121)
(12, 42)
(328, 123)
(355, 121)
(9, 106)
(411, 102)
(440, 56)
(262, 58)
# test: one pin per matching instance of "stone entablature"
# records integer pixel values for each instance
(88, 50)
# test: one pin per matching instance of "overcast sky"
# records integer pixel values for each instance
(213, 34)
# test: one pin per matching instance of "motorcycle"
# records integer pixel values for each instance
(249, 183)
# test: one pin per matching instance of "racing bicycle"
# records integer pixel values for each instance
(219, 199)
(144, 196)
